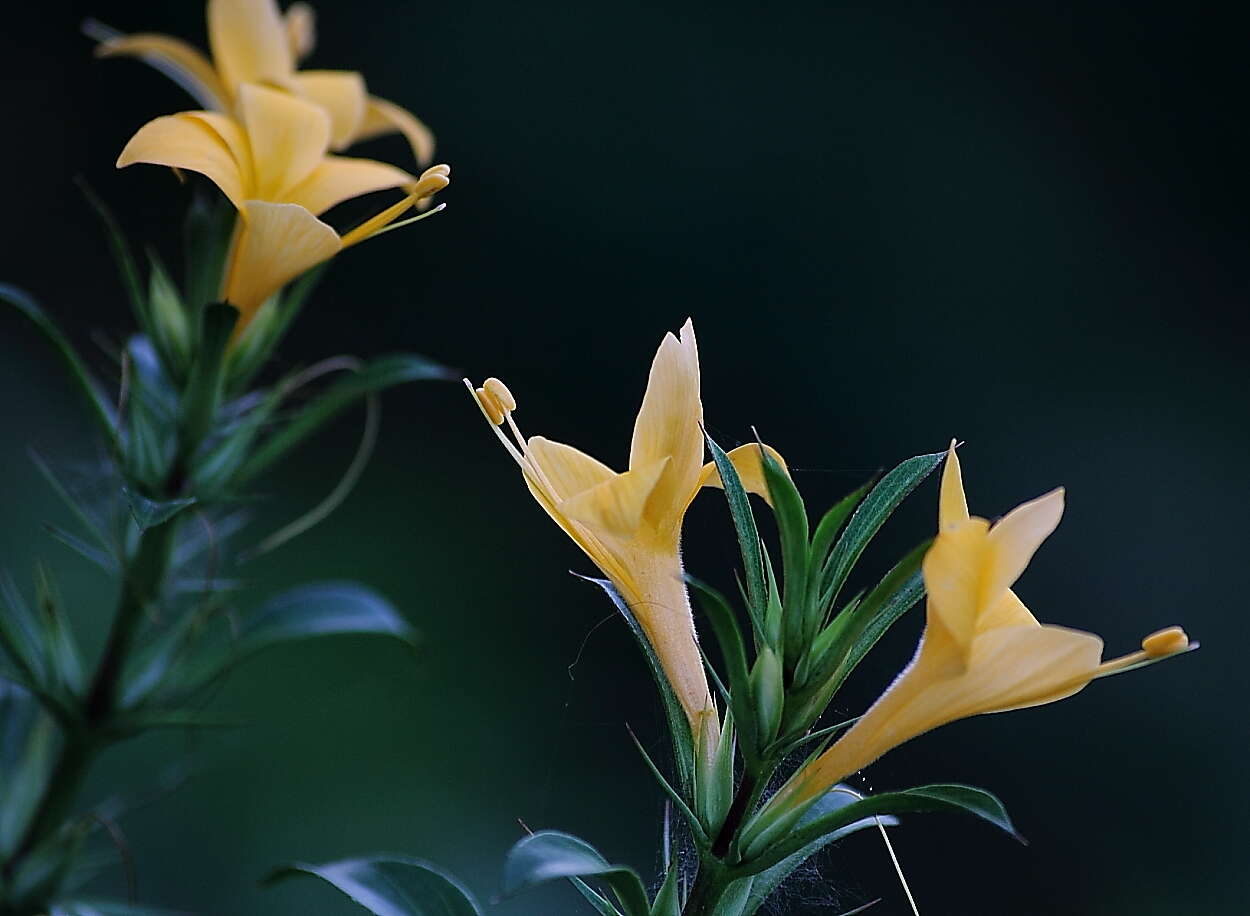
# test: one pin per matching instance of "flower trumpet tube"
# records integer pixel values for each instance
(629, 523)
(253, 43)
(273, 166)
(982, 650)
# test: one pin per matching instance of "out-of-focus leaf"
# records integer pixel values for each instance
(19, 633)
(678, 724)
(922, 799)
(872, 513)
(830, 803)
(64, 661)
(91, 907)
(202, 395)
(102, 411)
(207, 231)
(151, 409)
(550, 855)
(391, 885)
(305, 612)
(148, 513)
(376, 375)
(101, 558)
(270, 325)
(27, 740)
(167, 316)
(120, 250)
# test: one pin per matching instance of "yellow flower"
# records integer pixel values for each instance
(272, 165)
(629, 523)
(982, 650)
(253, 43)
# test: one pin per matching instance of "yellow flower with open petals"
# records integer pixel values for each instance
(253, 43)
(272, 165)
(982, 650)
(629, 523)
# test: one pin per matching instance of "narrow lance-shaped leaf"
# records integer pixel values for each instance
(828, 804)
(725, 625)
(872, 513)
(922, 799)
(550, 855)
(748, 533)
(377, 375)
(793, 530)
(125, 262)
(391, 885)
(102, 411)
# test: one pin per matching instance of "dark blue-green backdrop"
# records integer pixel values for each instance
(1023, 225)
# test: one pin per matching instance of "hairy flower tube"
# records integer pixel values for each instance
(272, 165)
(252, 42)
(629, 523)
(982, 650)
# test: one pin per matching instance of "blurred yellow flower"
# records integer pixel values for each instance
(253, 43)
(982, 650)
(629, 523)
(272, 165)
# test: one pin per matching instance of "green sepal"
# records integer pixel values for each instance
(714, 777)
(550, 855)
(148, 513)
(101, 409)
(870, 515)
(748, 533)
(376, 375)
(922, 799)
(678, 724)
(390, 885)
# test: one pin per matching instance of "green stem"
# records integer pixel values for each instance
(140, 586)
(709, 886)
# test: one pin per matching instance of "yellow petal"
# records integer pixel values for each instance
(231, 134)
(383, 117)
(1008, 611)
(746, 461)
(1014, 540)
(186, 142)
(668, 425)
(342, 94)
(289, 137)
(567, 470)
(276, 243)
(249, 42)
(1017, 667)
(337, 179)
(616, 505)
(952, 504)
(181, 62)
(953, 570)
(301, 29)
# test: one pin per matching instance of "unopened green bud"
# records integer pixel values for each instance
(769, 692)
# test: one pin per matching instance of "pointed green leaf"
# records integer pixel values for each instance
(207, 231)
(829, 804)
(748, 533)
(922, 799)
(101, 409)
(872, 513)
(602, 904)
(391, 885)
(148, 513)
(91, 907)
(725, 625)
(793, 530)
(376, 375)
(550, 855)
(667, 898)
(27, 742)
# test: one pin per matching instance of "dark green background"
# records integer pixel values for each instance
(1023, 225)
